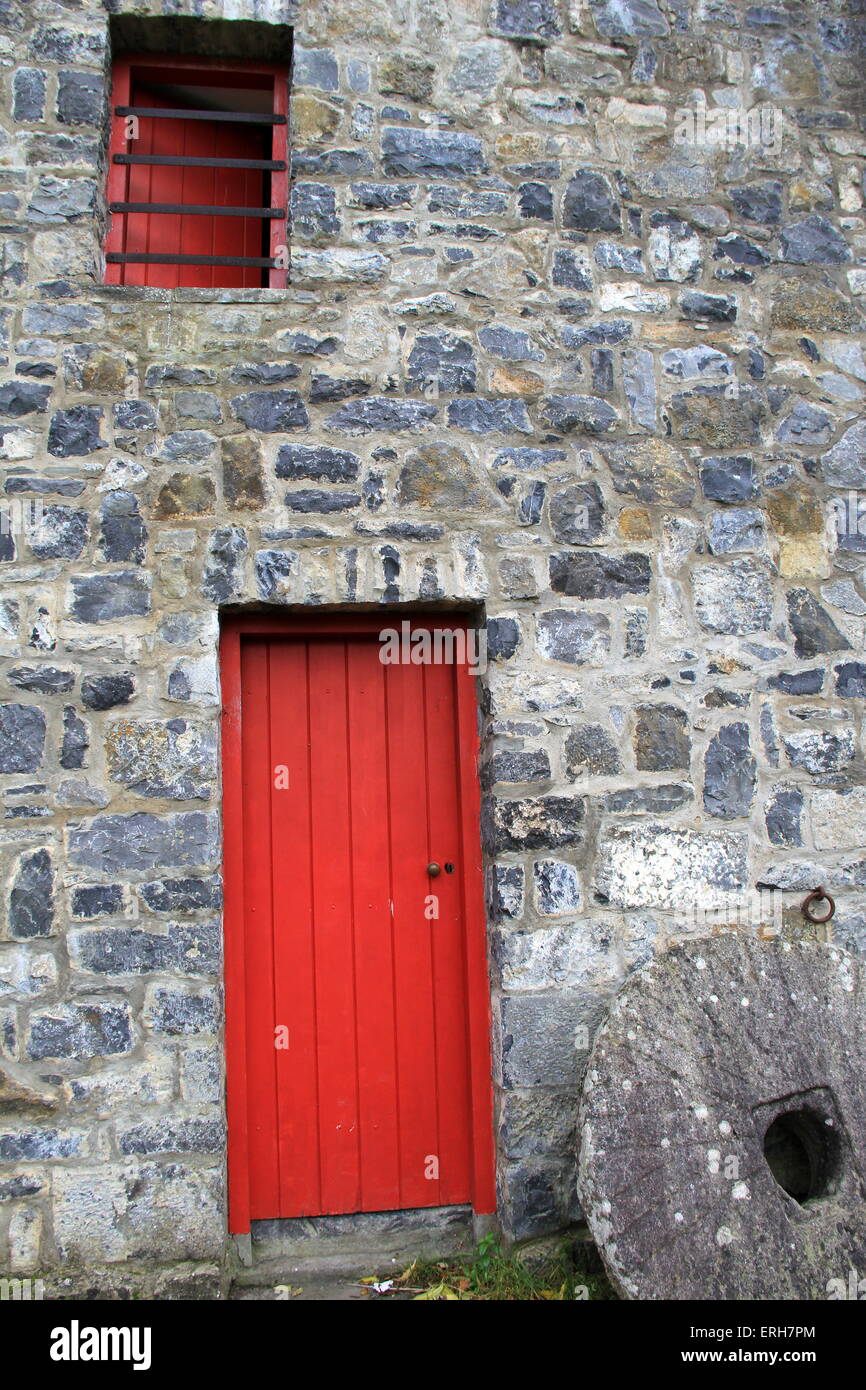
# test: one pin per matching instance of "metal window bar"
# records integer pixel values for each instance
(198, 209)
(199, 161)
(158, 258)
(236, 117)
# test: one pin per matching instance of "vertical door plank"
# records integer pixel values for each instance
(294, 944)
(447, 936)
(410, 847)
(195, 234)
(236, 236)
(373, 930)
(166, 186)
(138, 188)
(226, 233)
(331, 832)
(261, 1080)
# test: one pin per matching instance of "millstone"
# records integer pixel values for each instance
(723, 1124)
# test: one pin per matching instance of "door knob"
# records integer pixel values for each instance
(433, 870)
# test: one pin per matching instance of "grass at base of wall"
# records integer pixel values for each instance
(489, 1274)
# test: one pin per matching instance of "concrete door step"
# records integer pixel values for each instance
(366, 1243)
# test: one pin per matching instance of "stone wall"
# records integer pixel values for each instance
(573, 340)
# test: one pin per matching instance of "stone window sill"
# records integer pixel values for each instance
(152, 294)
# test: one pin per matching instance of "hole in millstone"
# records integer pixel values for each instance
(802, 1151)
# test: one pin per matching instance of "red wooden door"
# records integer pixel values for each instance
(356, 993)
(189, 233)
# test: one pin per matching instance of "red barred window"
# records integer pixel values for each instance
(198, 174)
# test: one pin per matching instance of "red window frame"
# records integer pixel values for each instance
(159, 68)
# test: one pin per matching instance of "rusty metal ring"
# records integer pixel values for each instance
(817, 895)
